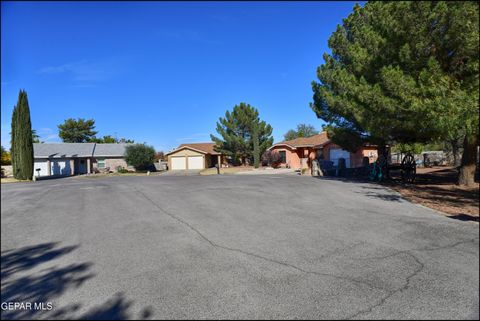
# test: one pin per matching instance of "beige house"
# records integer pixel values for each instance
(194, 156)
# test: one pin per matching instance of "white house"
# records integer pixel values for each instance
(66, 159)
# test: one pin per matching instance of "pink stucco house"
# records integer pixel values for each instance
(300, 152)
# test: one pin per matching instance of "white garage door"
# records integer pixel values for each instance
(43, 166)
(335, 154)
(179, 163)
(195, 162)
(61, 167)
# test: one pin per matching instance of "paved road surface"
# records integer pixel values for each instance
(232, 247)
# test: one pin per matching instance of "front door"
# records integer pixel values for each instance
(81, 166)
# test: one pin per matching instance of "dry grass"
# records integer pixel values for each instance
(100, 175)
(226, 170)
(12, 180)
(436, 188)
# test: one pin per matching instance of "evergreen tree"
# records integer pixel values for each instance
(77, 130)
(256, 146)
(13, 154)
(403, 72)
(22, 142)
(236, 131)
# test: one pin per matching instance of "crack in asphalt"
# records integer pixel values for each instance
(364, 283)
(390, 293)
(420, 267)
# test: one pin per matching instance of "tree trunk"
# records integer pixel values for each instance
(256, 148)
(456, 159)
(469, 161)
(383, 152)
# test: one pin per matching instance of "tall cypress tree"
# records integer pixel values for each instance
(13, 154)
(22, 142)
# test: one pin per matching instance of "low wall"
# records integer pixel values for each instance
(8, 170)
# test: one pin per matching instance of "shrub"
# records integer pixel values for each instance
(271, 158)
(122, 170)
(6, 158)
(140, 156)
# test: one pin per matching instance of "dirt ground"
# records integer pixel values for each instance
(435, 188)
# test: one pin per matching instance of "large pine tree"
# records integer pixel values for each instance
(244, 137)
(22, 142)
(404, 72)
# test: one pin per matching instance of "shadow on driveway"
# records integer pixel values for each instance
(19, 284)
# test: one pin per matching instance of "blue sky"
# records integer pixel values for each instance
(163, 73)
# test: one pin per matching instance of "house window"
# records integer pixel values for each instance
(283, 156)
(101, 162)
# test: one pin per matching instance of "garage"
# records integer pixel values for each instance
(179, 163)
(40, 168)
(195, 162)
(335, 154)
(194, 156)
(61, 167)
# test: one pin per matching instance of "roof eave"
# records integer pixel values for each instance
(282, 144)
(186, 147)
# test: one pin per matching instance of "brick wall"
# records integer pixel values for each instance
(113, 163)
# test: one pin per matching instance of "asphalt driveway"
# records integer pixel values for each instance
(260, 247)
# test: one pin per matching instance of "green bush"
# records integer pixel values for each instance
(122, 170)
(140, 156)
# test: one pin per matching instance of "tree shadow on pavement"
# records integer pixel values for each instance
(384, 196)
(18, 284)
(21, 283)
(465, 218)
(117, 308)
(28, 257)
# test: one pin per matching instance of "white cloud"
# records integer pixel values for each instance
(85, 73)
(48, 135)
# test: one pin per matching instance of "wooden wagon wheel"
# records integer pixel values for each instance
(409, 168)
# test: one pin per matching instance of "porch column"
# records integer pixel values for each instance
(49, 167)
(72, 166)
(88, 165)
